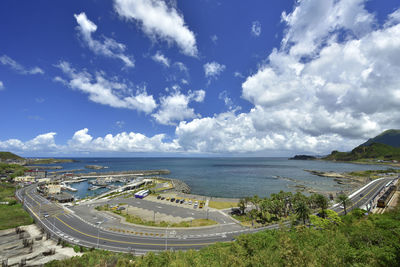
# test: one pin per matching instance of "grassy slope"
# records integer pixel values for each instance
(373, 151)
(389, 137)
(356, 241)
(8, 155)
(11, 215)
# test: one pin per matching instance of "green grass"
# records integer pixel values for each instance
(374, 151)
(9, 155)
(221, 204)
(373, 173)
(11, 215)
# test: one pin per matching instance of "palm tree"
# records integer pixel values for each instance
(303, 211)
(321, 202)
(344, 200)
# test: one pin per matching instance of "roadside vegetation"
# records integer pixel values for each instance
(221, 204)
(11, 213)
(352, 240)
(374, 174)
(10, 171)
(279, 207)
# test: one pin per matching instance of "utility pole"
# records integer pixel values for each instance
(166, 238)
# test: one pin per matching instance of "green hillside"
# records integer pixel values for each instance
(389, 137)
(374, 151)
(8, 155)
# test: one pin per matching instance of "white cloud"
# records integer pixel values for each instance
(1, 85)
(7, 61)
(41, 143)
(160, 21)
(312, 22)
(82, 141)
(237, 74)
(214, 38)
(122, 142)
(347, 89)
(109, 47)
(213, 69)
(256, 28)
(106, 92)
(119, 124)
(175, 107)
(160, 58)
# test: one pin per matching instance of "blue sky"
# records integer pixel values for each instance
(154, 77)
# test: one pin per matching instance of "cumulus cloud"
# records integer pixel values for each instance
(83, 142)
(213, 69)
(1, 85)
(160, 58)
(41, 143)
(159, 21)
(107, 92)
(175, 107)
(317, 92)
(256, 28)
(109, 47)
(122, 142)
(7, 61)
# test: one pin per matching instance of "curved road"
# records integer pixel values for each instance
(64, 224)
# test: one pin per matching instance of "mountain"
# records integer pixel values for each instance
(389, 137)
(385, 147)
(9, 156)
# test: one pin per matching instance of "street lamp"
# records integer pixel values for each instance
(166, 237)
(98, 232)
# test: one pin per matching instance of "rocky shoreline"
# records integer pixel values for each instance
(178, 185)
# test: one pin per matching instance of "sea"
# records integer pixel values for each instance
(229, 177)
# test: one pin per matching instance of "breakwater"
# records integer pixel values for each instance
(131, 172)
(179, 185)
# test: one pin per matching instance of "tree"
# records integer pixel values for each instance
(303, 211)
(344, 200)
(322, 203)
(242, 205)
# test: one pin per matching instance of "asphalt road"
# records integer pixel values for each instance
(76, 229)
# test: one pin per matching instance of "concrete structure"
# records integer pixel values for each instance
(53, 189)
(25, 179)
(36, 173)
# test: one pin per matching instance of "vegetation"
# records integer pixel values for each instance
(344, 201)
(278, 207)
(352, 240)
(373, 173)
(49, 161)
(375, 151)
(221, 204)
(389, 137)
(11, 214)
(11, 170)
(384, 147)
(9, 156)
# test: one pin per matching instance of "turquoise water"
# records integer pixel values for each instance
(230, 177)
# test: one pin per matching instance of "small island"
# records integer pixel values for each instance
(95, 167)
(303, 157)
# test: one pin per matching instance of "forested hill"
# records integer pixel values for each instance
(9, 155)
(385, 146)
(389, 137)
